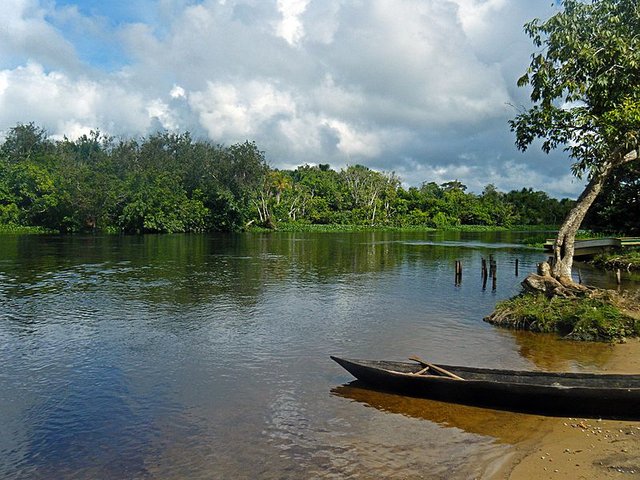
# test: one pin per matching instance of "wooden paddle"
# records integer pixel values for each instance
(438, 369)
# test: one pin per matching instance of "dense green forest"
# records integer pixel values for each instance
(170, 182)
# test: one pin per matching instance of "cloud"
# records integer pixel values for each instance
(60, 102)
(503, 177)
(240, 109)
(26, 35)
(420, 87)
(290, 27)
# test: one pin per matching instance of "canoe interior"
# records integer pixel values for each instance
(523, 377)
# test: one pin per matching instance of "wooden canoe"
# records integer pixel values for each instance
(558, 394)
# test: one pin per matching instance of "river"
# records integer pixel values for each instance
(207, 356)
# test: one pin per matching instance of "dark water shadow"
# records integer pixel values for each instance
(504, 426)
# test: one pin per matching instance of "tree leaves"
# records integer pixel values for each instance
(172, 183)
(584, 82)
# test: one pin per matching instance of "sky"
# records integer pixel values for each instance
(422, 88)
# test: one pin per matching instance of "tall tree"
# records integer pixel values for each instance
(83, 176)
(323, 195)
(26, 143)
(240, 175)
(585, 82)
(366, 189)
(29, 177)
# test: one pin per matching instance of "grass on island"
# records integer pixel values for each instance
(591, 319)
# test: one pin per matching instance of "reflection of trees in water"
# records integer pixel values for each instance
(506, 427)
(551, 353)
(179, 270)
(187, 269)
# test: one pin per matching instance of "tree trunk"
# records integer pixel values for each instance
(563, 247)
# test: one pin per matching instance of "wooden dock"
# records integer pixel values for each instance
(630, 241)
(593, 246)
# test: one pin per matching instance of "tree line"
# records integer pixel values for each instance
(169, 182)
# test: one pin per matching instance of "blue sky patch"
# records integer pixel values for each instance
(98, 46)
(116, 11)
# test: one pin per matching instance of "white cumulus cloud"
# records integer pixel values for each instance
(420, 87)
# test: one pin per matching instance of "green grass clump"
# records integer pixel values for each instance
(575, 318)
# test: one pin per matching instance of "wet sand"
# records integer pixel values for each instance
(579, 448)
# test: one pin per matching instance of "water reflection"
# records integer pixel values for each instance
(86, 420)
(505, 427)
(89, 429)
(206, 356)
(178, 269)
(550, 353)
(398, 437)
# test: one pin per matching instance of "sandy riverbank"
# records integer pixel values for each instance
(582, 448)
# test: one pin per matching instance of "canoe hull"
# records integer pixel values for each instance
(584, 395)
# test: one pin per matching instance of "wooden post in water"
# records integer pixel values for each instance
(493, 272)
(458, 272)
(618, 276)
(484, 274)
(516, 267)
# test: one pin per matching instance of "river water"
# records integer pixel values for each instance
(207, 356)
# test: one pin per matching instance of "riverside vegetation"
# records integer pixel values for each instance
(168, 183)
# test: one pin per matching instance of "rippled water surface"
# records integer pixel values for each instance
(207, 356)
